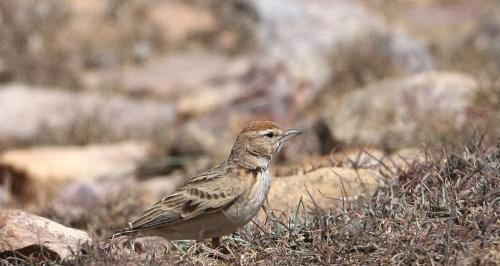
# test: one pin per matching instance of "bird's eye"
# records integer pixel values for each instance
(269, 135)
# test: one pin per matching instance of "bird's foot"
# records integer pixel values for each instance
(215, 249)
(216, 245)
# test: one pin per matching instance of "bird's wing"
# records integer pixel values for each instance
(200, 195)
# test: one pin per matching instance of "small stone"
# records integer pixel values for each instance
(405, 111)
(37, 174)
(324, 187)
(35, 114)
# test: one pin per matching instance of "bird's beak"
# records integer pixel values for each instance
(289, 134)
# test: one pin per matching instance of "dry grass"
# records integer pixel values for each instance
(441, 212)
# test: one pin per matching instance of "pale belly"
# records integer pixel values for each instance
(247, 207)
(199, 228)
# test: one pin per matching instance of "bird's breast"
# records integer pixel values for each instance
(249, 204)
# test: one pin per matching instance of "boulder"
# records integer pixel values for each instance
(200, 83)
(5, 196)
(459, 32)
(214, 92)
(105, 35)
(220, 109)
(327, 181)
(85, 195)
(33, 114)
(388, 164)
(316, 41)
(434, 22)
(154, 189)
(402, 161)
(28, 234)
(171, 76)
(403, 111)
(312, 37)
(324, 187)
(175, 22)
(36, 174)
(110, 202)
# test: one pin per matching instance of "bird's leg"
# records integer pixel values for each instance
(215, 242)
(217, 250)
(201, 235)
(216, 245)
(200, 239)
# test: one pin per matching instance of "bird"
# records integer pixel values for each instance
(222, 199)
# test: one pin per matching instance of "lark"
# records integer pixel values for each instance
(218, 201)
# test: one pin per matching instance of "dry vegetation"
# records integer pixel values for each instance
(442, 211)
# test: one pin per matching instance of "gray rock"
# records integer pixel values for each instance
(314, 40)
(31, 113)
(171, 76)
(403, 111)
(309, 34)
(37, 174)
(28, 234)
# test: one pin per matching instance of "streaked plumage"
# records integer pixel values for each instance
(221, 199)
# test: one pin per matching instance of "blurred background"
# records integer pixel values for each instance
(95, 91)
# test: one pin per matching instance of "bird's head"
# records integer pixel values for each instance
(259, 140)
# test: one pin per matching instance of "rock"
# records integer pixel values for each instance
(305, 166)
(175, 22)
(113, 201)
(360, 158)
(371, 158)
(76, 117)
(265, 92)
(27, 234)
(264, 86)
(463, 34)
(172, 76)
(75, 199)
(216, 94)
(295, 35)
(324, 187)
(195, 83)
(308, 35)
(5, 72)
(404, 111)
(154, 189)
(36, 174)
(84, 195)
(5, 197)
(401, 161)
(112, 33)
(434, 22)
